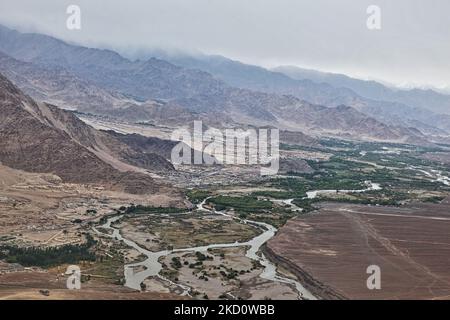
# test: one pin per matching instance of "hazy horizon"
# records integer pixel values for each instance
(410, 50)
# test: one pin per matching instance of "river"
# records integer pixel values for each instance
(152, 266)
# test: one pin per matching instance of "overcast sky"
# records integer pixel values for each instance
(412, 47)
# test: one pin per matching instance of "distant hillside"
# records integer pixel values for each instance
(418, 98)
(200, 94)
(42, 138)
(408, 108)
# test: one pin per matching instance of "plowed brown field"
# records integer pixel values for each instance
(332, 248)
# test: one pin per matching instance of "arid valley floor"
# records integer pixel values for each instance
(204, 230)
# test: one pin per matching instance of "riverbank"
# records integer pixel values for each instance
(318, 289)
(152, 267)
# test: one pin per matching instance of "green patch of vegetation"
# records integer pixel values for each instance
(6, 238)
(139, 209)
(176, 263)
(241, 204)
(306, 204)
(49, 257)
(435, 199)
(276, 194)
(202, 257)
(170, 274)
(197, 196)
(229, 273)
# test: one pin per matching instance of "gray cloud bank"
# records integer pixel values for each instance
(412, 47)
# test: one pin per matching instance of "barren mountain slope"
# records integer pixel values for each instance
(31, 139)
(57, 86)
(199, 93)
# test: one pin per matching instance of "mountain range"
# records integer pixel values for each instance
(426, 110)
(418, 98)
(215, 89)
